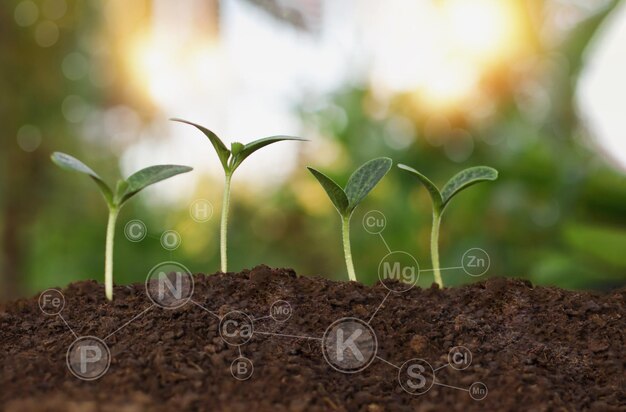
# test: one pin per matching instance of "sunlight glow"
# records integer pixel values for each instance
(480, 34)
(453, 43)
(451, 82)
(245, 80)
(481, 29)
(441, 51)
(163, 67)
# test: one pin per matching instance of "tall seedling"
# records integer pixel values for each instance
(441, 199)
(230, 160)
(124, 190)
(362, 181)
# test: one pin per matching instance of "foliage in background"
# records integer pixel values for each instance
(556, 216)
(543, 220)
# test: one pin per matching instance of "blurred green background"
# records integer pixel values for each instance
(462, 84)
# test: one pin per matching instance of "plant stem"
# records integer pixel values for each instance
(434, 248)
(345, 230)
(108, 256)
(224, 223)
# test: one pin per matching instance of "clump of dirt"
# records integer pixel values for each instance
(534, 348)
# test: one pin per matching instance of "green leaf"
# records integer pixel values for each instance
(365, 178)
(148, 176)
(434, 192)
(252, 147)
(222, 152)
(120, 190)
(465, 179)
(236, 148)
(67, 162)
(333, 190)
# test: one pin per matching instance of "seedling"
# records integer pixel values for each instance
(230, 160)
(124, 190)
(362, 181)
(441, 199)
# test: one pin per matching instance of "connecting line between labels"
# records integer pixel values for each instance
(261, 318)
(450, 386)
(68, 326)
(240, 354)
(286, 336)
(184, 227)
(441, 367)
(451, 268)
(387, 362)
(384, 241)
(128, 323)
(205, 309)
(378, 308)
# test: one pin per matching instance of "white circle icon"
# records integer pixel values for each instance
(135, 230)
(476, 262)
(201, 210)
(242, 368)
(459, 357)
(398, 271)
(88, 358)
(51, 302)
(169, 285)
(280, 311)
(416, 376)
(478, 391)
(236, 328)
(170, 240)
(374, 222)
(349, 345)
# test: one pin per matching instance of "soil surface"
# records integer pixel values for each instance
(535, 348)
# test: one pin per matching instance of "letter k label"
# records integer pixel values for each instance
(348, 344)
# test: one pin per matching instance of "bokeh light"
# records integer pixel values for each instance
(532, 88)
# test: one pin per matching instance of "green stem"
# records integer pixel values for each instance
(108, 256)
(224, 223)
(434, 248)
(345, 230)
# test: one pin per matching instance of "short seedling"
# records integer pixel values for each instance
(362, 181)
(441, 199)
(124, 190)
(231, 159)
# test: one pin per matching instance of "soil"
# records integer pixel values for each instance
(535, 348)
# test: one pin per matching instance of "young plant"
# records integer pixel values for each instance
(124, 190)
(230, 160)
(362, 181)
(441, 199)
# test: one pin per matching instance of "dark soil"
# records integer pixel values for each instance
(536, 348)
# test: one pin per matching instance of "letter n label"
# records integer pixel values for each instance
(164, 281)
